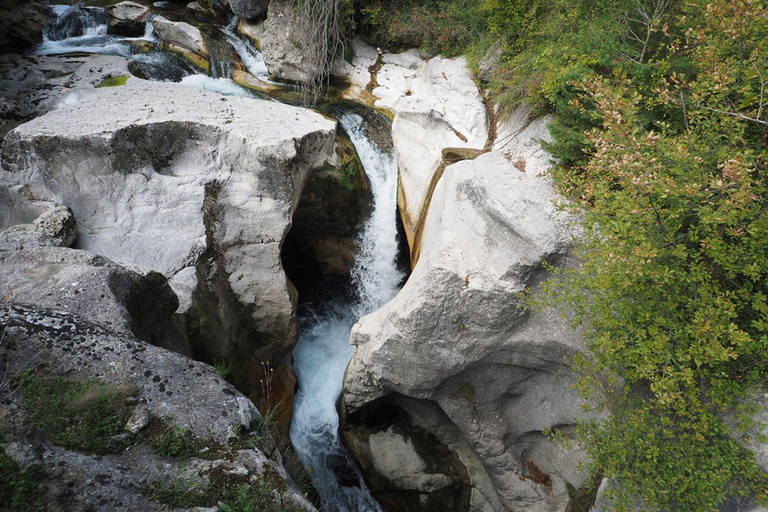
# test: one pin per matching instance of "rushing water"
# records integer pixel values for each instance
(323, 350)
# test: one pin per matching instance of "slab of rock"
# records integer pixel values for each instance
(188, 183)
(456, 336)
(56, 227)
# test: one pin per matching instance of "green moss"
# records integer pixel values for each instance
(231, 493)
(75, 414)
(113, 81)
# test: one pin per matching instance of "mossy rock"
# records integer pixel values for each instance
(113, 81)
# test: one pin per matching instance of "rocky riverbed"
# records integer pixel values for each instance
(171, 218)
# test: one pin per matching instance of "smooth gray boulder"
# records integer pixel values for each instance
(249, 9)
(456, 336)
(56, 227)
(197, 186)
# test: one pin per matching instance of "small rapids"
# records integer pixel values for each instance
(323, 350)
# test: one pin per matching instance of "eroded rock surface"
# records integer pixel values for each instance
(436, 106)
(194, 185)
(455, 336)
(186, 393)
(282, 45)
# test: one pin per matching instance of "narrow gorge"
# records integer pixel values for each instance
(278, 304)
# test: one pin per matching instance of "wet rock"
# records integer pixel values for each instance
(249, 9)
(55, 228)
(22, 23)
(127, 18)
(183, 38)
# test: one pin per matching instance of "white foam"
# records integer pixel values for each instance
(323, 350)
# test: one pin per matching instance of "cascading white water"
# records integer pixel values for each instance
(323, 350)
(249, 55)
(76, 29)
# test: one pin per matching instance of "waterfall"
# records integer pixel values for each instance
(323, 350)
(84, 29)
(76, 21)
(249, 55)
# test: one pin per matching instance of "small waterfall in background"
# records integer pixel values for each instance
(323, 350)
(249, 55)
(76, 21)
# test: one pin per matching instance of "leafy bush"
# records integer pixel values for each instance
(672, 290)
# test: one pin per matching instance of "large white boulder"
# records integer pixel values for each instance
(457, 337)
(195, 185)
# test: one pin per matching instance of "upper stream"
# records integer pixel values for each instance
(323, 350)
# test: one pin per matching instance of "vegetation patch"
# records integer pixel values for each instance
(113, 81)
(231, 493)
(18, 488)
(83, 415)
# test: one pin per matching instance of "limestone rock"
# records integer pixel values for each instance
(249, 9)
(284, 54)
(177, 179)
(455, 335)
(22, 23)
(358, 71)
(519, 137)
(122, 300)
(168, 383)
(183, 38)
(138, 420)
(56, 227)
(436, 106)
(445, 109)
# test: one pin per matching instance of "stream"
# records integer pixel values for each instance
(323, 350)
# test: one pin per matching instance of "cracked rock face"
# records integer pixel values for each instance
(455, 338)
(191, 184)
